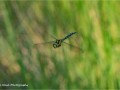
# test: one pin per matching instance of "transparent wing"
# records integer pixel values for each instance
(74, 47)
(50, 42)
(44, 48)
(52, 36)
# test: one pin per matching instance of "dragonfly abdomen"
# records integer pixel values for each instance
(68, 35)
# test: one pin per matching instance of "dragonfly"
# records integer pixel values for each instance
(58, 42)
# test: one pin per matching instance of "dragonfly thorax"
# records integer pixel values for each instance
(57, 43)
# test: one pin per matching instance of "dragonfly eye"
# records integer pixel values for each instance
(55, 45)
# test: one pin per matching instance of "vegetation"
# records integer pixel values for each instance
(25, 23)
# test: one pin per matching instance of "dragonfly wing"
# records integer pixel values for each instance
(52, 36)
(44, 48)
(44, 43)
(73, 46)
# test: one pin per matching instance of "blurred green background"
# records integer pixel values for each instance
(24, 23)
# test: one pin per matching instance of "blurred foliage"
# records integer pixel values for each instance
(25, 23)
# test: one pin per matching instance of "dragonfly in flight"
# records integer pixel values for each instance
(58, 42)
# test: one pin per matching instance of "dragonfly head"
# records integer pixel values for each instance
(57, 43)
